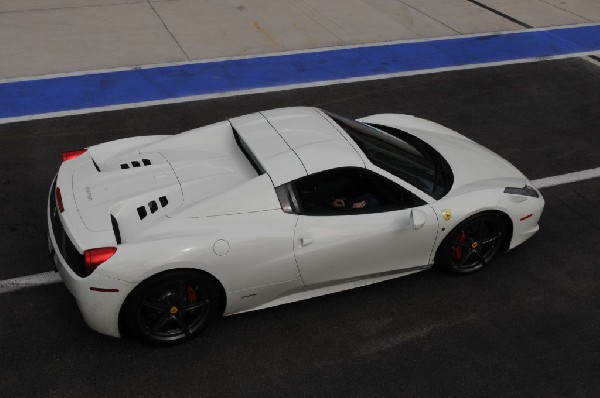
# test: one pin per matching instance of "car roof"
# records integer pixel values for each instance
(290, 143)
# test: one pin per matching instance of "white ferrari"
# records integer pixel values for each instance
(156, 236)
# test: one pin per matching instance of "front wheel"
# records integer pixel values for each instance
(472, 244)
(170, 308)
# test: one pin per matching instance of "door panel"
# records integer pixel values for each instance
(334, 247)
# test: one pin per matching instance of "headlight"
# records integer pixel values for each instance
(525, 191)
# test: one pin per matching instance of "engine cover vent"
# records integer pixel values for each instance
(136, 163)
(153, 206)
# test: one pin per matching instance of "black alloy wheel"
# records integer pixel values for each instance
(171, 308)
(472, 244)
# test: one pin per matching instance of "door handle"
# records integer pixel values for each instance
(417, 218)
(305, 242)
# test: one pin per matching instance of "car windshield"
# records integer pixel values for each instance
(402, 155)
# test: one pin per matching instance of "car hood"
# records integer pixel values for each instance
(473, 166)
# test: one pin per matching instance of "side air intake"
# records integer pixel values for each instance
(115, 226)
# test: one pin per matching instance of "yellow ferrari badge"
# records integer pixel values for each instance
(447, 214)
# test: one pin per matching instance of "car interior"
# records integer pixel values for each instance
(316, 193)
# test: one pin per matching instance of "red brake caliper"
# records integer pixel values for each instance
(457, 251)
(192, 297)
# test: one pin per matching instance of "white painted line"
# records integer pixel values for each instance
(46, 278)
(280, 88)
(592, 60)
(566, 178)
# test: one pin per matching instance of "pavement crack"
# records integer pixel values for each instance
(501, 14)
(429, 16)
(42, 9)
(292, 3)
(169, 30)
(565, 10)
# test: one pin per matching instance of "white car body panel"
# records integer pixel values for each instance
(305, 293)
(223, 218)
(96, 195)
(229, 202)
(74, 227)
(314, 139)
(471, 163)
(279, 161)
(343, 247)
(258, 250)
(102, 153)
(100, 310)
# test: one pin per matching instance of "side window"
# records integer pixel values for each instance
(350, 190)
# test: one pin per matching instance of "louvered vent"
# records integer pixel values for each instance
(142, 212)
(136, 163)
(153, 206)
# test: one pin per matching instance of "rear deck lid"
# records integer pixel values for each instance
(97, 193)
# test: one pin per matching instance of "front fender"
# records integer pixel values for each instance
(461, 207)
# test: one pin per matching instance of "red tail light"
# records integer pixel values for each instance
(59, 202)
(95, 257)
(73, 154)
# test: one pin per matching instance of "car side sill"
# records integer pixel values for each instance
(309, 292)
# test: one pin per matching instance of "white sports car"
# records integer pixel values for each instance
(156, 236)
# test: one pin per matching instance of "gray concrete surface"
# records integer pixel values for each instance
(39, 37)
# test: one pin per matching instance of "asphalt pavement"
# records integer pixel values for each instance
(525, 326)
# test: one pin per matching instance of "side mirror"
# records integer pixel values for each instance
(417, 218)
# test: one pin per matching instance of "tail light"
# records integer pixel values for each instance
(95, 257)
(73, 154)
(59, 201)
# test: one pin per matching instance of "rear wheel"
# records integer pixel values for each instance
(472, 244)
(171, 308)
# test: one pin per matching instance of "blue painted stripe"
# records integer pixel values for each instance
(21, 98)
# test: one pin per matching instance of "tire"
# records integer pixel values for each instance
(171, 308)
(472, 244)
